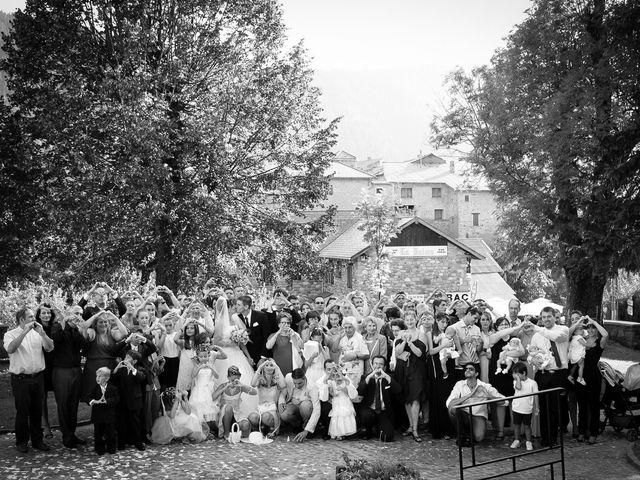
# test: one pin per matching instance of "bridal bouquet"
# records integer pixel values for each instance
(241, 337)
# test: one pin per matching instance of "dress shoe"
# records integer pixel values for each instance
(140, 446)
(79, 441)
(22, 447)
(42, 447)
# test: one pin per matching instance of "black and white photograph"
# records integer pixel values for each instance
(319, 239)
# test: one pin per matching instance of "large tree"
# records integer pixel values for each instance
(176, 136)
(554, 123)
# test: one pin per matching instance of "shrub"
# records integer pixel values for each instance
(377, 470)
(28, 294)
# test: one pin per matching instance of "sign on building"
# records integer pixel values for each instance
(422, 251)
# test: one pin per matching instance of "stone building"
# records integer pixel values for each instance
(423, 258)
(428, 187)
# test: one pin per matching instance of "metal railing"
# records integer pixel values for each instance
(475, 464)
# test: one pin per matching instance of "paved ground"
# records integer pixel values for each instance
(314, 459)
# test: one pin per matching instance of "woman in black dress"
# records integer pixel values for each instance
(589, 394)
(45, 316)
(410, 351)
(503, 382)
(439, 422)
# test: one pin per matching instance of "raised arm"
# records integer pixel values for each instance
(494, 337)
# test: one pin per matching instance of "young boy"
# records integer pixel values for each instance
(104, 399)
(130, 380)
(524, 407)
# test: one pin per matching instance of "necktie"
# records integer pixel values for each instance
(377, 399)
(556, 355)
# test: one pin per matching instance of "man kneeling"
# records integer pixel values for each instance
(467, 391)
(376, 410)
(299, 404)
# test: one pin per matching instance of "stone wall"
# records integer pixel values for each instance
(413, 275)
(484, 203)
(625, 333)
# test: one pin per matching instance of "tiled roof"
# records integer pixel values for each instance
(411, 172)
(350, 242)
(342, 155)
(340, 170)
(488, 264)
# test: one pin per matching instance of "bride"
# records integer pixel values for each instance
(236, 355)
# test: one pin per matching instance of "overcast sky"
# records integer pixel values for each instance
(381, 64)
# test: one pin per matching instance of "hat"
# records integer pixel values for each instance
(257, 438)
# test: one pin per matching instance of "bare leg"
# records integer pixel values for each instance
(245, 426)
(226, 422)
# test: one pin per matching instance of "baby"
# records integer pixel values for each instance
(447, 352)
(577, 351)
(537, 358)
(509, 355)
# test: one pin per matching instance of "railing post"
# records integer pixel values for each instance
(473, 442)
(560, 432)
(459, 430)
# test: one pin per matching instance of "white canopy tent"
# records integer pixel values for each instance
(534, 307)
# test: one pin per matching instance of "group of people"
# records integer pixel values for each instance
(167, 367)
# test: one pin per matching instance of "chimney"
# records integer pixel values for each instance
(452, 166)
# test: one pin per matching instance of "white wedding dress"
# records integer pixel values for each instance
(235, 356)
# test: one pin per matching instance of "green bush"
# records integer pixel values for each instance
(377, 470)
(14, 296)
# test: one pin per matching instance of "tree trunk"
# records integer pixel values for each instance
(166, 270)
(585, 290)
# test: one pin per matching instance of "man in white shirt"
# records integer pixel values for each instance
(471, 390)
(353, 353)
(552, 340)
(25, 345)
(299, 403)
(514, 310)
(468, 340)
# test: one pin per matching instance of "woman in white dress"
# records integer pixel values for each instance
(236, 355)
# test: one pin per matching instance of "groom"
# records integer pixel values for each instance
(258, 326)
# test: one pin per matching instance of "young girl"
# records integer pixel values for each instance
(524, 407)
(447, 352)
(202, 387)
(230, 394)
(184, 422)
(577, 352)
(186, 340)
(169, 349)
(343, 415)
(269, 382)
(315, 353)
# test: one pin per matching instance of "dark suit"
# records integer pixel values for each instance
(88, 312)
(104, 418)
(130, 389)
(384, 418)
(259, 326)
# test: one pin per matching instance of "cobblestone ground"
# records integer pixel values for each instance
(313, 459)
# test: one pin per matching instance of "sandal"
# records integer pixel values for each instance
(407, 433)
(416, 437)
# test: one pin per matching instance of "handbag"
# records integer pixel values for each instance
(162, 430)
(235, 434)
